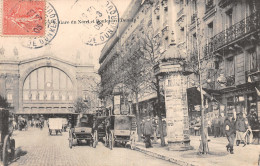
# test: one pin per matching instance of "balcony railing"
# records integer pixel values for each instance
(246, 26)
(209, 5)
(224, 3)
(180, 13)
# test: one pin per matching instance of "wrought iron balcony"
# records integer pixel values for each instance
(180, 13)
(237, 31)
(224, 3)
(209, 5)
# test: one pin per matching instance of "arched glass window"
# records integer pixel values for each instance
(48, 84)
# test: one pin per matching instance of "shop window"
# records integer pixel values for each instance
(210, 30)
(252, 60)
(229, 18)
(240, 104)
(230, 105)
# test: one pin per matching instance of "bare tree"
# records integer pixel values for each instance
(133, 77)
(150, 49)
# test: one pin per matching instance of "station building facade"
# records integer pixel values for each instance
(44, 85)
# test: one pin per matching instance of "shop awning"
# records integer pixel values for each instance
(193, 95)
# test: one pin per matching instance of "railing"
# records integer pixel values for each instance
(236, 31)
(180, 13)
(193, 17)
(224, 3)
(209, 5)
(230, 80)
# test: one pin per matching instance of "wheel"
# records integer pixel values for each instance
(111, 140)
(12, 147)
(70, 139)
(5, 156)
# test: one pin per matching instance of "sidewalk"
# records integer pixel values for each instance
(218, 155)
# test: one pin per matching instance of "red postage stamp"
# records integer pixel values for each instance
(23, 18)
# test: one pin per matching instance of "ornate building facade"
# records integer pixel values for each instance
(225, 35)
(44, 85)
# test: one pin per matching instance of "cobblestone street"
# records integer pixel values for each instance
(36, 148)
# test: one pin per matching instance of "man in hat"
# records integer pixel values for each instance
(229, 128)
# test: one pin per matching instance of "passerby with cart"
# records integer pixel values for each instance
(241, 128)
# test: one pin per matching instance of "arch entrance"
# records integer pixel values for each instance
(47, 90)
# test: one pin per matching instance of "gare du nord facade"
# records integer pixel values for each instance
(43, 86)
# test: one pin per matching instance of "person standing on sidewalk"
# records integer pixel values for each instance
(241, 127)
(148, 131)
(229, 127)
(216, 126)
(221, 126)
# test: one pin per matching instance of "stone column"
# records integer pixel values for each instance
(177, 119)
(176, 105)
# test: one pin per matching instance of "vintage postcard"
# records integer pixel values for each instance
(129, 82)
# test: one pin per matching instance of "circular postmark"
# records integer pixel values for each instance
(100, 19)
(51, 29)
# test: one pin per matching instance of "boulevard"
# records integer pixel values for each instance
(36, 147)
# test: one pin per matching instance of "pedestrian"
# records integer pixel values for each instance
(148, 131)
(221, 126)
(229, 127)
(216, 126)
(241, 128)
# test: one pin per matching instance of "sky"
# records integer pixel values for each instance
(69, 43)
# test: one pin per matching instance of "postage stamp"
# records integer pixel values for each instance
(51, 29)
(100, 19)
(23, 17)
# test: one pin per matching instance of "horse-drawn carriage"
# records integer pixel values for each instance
(120, 129)
(7, 144)
(84, 130)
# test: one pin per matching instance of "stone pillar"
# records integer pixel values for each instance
(176, 105)
(177, 119)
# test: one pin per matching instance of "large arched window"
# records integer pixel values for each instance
(47, 84)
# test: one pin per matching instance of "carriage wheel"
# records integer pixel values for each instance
(5, 151)
(111, 140)
(70, 139)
